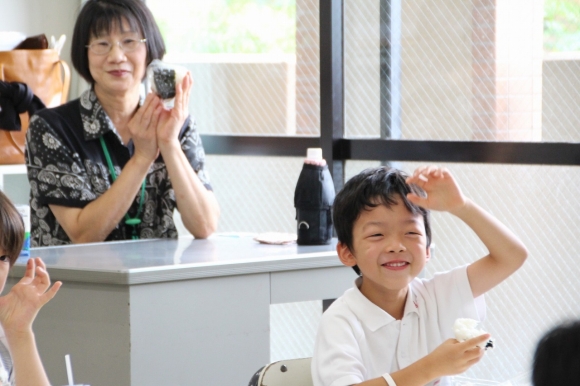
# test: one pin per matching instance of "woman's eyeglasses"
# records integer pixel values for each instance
(103, 47)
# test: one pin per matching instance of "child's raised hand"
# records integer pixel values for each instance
(453, 357)
(443, 193)
(19, 307)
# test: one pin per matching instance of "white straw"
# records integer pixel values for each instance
(69, 370)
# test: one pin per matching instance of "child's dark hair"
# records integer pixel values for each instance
(368, 189)
(11, 229)
(557, 357)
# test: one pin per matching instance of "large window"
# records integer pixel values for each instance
(254, 62)
(462, 71)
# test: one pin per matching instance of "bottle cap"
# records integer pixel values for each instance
(314, 153)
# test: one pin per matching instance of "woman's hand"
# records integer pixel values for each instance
(19, 307)
(142, 127)
(171, 121)
(443, 193)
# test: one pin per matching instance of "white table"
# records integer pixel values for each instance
(174, 312)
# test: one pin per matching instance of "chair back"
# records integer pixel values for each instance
(290, 372)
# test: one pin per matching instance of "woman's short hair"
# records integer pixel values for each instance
(102, 16)
(11, 229)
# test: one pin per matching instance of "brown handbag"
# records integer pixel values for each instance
(49, 79)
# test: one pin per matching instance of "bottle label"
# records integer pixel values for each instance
(314, 227)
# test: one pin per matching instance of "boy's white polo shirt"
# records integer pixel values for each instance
(358, 341)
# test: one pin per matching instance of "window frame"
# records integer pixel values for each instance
(338, 149)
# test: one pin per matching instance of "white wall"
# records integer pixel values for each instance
(14, 15)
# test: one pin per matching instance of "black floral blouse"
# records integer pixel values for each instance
(66, 166)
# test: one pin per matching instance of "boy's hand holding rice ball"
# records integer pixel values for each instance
(465, 329)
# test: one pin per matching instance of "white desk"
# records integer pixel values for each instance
(166, 312)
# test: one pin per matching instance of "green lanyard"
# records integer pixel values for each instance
(132, 221)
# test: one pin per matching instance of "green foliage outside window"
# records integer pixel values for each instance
(269, 26)
(227, 26)
(561, 25)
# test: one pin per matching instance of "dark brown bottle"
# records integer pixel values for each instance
(313, 199)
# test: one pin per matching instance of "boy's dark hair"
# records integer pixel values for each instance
(368, 189)
(98, 16)
(11, 229)
(557, 357)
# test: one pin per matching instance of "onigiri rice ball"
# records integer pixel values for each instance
(162, 78)
(465, 329)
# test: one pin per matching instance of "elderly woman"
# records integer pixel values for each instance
(113, 165)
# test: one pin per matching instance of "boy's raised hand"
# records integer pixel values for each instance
(443, 192)
(19, 307)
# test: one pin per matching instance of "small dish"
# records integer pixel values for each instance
(276, 238)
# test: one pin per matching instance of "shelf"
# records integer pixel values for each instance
(12, 169)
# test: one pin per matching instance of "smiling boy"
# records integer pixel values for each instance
(393, 328)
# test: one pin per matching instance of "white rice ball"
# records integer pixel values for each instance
(465, 329)
(162, 79)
